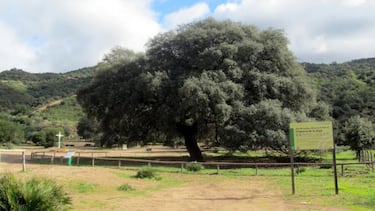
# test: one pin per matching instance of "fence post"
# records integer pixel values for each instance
(342, 169)
(93, 160)
(256, 169)
(217, 168)
(372, 161)
(23, 161)
(182, 167)
(79, 156)
(119, 163)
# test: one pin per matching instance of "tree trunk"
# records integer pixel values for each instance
(190, 136)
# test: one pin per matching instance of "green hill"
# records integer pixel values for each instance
(40, 100)
(349, 88)
(20, 88)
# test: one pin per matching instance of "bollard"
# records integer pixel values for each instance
(69, 161)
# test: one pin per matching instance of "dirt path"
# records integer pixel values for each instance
(209, 194)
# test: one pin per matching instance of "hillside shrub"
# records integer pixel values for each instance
(194, 166)
(34, 194)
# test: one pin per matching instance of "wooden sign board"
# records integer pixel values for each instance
(311, 135)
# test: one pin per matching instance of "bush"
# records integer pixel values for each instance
(125, 187)
(194, 166)
(146, 172)
(34, 194)
(300, 170)
(326, 166)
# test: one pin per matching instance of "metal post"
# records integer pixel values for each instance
(335, 168)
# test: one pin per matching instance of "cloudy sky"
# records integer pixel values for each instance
(64, 35)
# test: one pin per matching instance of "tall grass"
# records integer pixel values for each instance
(32, 195)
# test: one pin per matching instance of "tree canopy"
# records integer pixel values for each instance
(221, 81)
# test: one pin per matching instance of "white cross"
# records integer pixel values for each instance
(59, 137)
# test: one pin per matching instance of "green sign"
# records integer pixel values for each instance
(311, 135)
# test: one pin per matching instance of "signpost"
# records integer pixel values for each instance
(308, 136)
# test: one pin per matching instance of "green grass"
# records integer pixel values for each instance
(85, 187)
(17, 85)
(68, 111)
(313, 186)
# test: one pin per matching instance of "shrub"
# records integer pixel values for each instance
(194, 166)
(34, 194)
(146, 172)
(125, 187)
(326, 166)
(300, 170)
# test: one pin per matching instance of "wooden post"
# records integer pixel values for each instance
(53, 158)
(291, 155)
(335, 168)
(79, 156)
(182, 167)
(372, 161)
(119, 163)
(217, 168)
(342, 169)
(23, 161)
(256, 169)
(92, 161)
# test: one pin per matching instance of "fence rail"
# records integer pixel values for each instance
(219, 165)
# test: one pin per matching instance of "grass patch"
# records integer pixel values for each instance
(84, 187)
(126, 187)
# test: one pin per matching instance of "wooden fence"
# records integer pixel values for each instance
(17, 151)
(369, 161)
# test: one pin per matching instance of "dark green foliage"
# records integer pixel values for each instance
(10, 132)
(146, 172)
(33, 195)
(87, 128)
(194, 166)
(359, 133)
(200, 82)
(46, 137)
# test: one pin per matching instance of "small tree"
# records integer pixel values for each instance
(359, 133)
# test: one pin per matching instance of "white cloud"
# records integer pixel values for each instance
(64, 35)
(318, 30)
(12, 50)
(186, 15)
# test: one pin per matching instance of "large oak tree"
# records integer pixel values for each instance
(218, 80)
